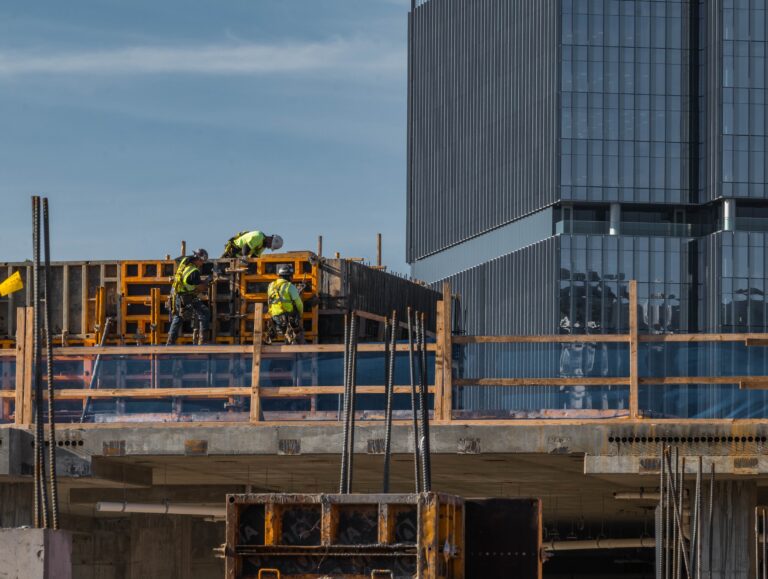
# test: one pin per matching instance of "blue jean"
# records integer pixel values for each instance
(200, 312)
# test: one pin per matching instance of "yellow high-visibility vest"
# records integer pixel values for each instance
(181, 283)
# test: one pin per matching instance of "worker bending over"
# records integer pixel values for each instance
(251, 244)
(285, 305)
(185, 298)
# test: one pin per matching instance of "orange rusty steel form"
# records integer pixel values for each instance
(340, 534)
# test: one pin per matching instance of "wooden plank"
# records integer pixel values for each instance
(594, 381)
(27, 386)
(447, 407)
(221, 349)
(554, 339)
(81, 393)
(439, 404)
(21, 367)
(8, 394)
(633, 352)
(258, 329)
(378, 318)
(299, 391)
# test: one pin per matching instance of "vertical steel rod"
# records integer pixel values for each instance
(660, 554)
(426, 463)
(40, 478)
(345, 412)
(49, 371)
(352, 401)
(416, 461)
(389, 385)
(711, 522)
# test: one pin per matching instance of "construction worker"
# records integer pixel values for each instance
(285, 305)
(185, 298)
(251, 244)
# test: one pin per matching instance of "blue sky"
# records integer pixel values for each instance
(149, 122)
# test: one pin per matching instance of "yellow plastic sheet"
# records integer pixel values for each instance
(12, 284)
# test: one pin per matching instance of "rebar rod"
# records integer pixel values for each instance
(682, 556)
(765, 558)
(416, 461)
(40, 478)
(694, 549)
(419, 397)
(352, 403)
(96, 369)
(426, 463)
(711, 522)
(660, 551)
(389, 385)
(49, 372)
(678, 515)
(667, 521)
(345, 412)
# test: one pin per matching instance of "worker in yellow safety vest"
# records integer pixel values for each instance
(251, 244)
(185, 297)
(285, 305)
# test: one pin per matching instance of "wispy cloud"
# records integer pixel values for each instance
(353, 56)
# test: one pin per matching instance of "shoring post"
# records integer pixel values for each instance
(634, 381)
(444, 367)
(23, 410)
(100, 311)
(258, 327)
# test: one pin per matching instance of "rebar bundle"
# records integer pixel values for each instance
(679, 539)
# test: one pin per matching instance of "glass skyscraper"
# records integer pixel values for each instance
(560, 148)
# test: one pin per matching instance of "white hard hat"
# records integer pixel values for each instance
(277, 242)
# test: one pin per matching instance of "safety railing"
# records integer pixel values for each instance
(620, 377)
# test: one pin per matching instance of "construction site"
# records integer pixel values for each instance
(571, 383)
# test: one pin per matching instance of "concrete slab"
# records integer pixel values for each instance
(35, 554)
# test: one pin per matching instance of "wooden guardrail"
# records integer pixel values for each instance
(442, 347)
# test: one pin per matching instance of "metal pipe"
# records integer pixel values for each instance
(711, 521)
(661, 547)
(96, 368)
(160, 509)
(378, 250)
(389, 385)
(426, 462)
(345, 412)
(416, 461)
(352, 401)
(49, 371)
(600, 544)
(40, 478)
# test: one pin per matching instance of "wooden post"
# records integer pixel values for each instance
(258, 325)
(439, 409)
(378, 250)
(24, 337)
(101, 311)
(634, 380)
(443, 355)
(183, 248)
(319, 246)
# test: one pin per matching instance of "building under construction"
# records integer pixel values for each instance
(587, 208)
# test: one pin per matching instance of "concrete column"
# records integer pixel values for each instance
(729, 214)
(733, 536)
(614, 219)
